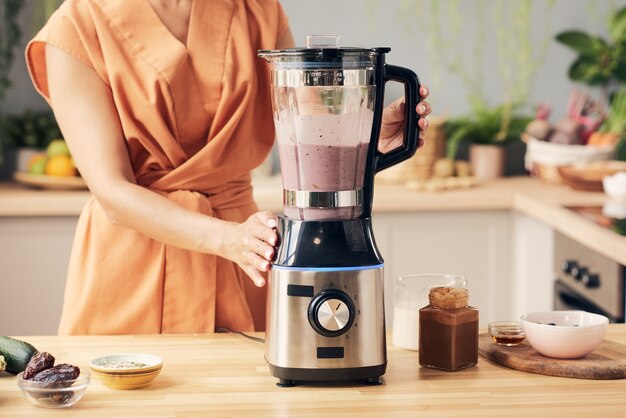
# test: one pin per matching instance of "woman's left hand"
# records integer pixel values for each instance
(392, 129)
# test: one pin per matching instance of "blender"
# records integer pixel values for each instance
(325, 314)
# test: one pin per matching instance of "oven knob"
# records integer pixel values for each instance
(568, 265)
(331, 313)
(591, 280)
(578, 272)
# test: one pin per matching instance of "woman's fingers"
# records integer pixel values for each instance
(424, 92)
(256, 261)
(423, 108)
(254, 275)
(256, 240)
(267, 218)
(260, 248)
(266, 227)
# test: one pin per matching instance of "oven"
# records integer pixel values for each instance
(587, 281)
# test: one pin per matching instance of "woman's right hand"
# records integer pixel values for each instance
(251, 245)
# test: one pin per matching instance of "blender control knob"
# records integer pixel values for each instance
(331, 313)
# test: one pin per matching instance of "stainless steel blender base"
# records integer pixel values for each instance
(308, 335)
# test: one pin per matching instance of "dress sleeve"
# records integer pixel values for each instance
(283, 21)
(71, 30)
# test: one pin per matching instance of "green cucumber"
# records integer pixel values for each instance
(16, 353)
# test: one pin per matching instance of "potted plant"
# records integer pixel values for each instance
(601, 62)
(487, 130)
(460, 39)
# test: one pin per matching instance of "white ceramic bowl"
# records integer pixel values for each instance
(564, 334)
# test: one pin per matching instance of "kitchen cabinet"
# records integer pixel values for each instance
(533, 272)
(34, 252)
(473, 244)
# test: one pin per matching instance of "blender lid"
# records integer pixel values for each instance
(322, 51)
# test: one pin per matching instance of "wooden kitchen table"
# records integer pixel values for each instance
(225, 375)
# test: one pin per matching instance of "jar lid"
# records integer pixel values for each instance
(448, 297)
(322, 51)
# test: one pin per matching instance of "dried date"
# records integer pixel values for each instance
(57, 375)
(38, 363)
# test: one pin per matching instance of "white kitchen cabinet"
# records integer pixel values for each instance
(533, 265)
(473, 244)
(34, 253)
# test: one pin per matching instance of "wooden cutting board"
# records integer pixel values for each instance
(608, 361)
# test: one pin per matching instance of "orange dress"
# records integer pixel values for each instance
(196, 119)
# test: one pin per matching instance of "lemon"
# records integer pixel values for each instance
(60, 165)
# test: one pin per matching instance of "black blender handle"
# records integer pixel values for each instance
(411, 128)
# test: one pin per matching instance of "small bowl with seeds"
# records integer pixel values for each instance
(126, 371)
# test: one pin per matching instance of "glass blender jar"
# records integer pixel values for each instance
(327, 107)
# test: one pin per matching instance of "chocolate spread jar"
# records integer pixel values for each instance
(448, 336)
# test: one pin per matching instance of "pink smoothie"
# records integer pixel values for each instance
(324, 153)
(322, 168)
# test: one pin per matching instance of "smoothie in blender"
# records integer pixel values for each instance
(322, 151)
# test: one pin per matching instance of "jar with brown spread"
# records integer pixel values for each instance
(448, 330)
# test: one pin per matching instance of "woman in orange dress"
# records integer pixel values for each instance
(166, 110)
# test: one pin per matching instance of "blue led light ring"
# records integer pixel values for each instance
(328, 269)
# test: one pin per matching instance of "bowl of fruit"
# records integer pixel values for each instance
(52, 168)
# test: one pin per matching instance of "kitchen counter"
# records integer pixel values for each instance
(522, 194)
(226, 375)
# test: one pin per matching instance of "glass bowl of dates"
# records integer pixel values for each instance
(56, 388)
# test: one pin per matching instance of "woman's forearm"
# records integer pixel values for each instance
(154, 215)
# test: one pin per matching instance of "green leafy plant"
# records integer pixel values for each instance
(600, 61)
(10, 35)
(616, 123)
(616, 118)
(497, 126)
(620, 149)
(30, 129)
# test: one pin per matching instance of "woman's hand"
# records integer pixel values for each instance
(251, 245)
(392, 129)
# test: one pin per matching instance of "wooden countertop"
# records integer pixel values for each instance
(525, 195)
(226, 375)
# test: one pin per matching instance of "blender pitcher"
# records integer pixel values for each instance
(327, 105)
